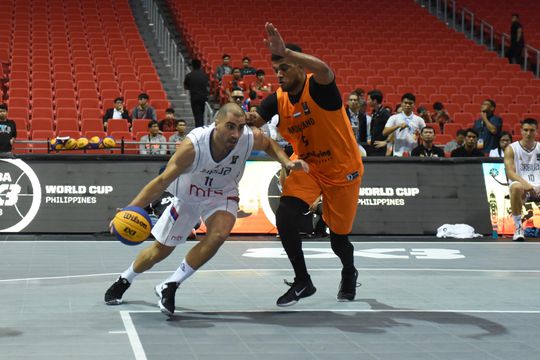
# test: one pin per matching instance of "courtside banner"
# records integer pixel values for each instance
(80, 194)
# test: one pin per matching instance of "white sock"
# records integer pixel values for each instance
(129, 274)
(517, 221)
(182, 273)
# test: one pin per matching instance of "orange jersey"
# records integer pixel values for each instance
(322, 138)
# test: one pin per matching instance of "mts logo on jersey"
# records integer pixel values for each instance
(195, 190)
(20, 195)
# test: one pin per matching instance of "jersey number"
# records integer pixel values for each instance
(208, 181)
(531, 177)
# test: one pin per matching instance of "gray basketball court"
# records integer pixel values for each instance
(418, 300)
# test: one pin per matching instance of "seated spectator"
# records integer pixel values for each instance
(440, 116)
(224, 68)
(504, 141)
(116, 112)
(405, 125)
(260, 85)
(153, 143)
(246, 67)
(144, 110)
(8, 131)
(426, 148)
(237, 81)
(424, 114)
(178, 136)
(469, 148)
(169, 123)
(237, 96)
(457, 142)
(488, 127)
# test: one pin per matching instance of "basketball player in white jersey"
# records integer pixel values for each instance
(203, 174)
(522, 165)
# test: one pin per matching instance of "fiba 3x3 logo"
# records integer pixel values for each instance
(20, 195)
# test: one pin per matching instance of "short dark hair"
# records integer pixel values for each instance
(506, 133)
(516, 15)
(252, 95)
(359, 91)
(290, 46)
(260, 72)
(152, 123)
(246, 58)
(4, 107)
(180, 121)
(471, 130)
(196, 64)
(409, 96)
(428, 128)
(236, 88)
(143, 96)
(225, 55)
(376, 95)
(530, 121)
(169, 110)
(119, 99)
(461, 132)
(492, 102)
(236, 68)
(438, 106)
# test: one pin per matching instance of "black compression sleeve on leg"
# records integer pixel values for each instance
(287, 219)
(343, 248)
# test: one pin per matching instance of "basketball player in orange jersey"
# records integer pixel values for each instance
(312, 118)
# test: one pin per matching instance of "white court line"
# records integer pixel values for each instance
(285, 310)
(133, 336)
(272, 239)
(517, 271)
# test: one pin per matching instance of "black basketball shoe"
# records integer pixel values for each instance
(113, 295)
(348, 285)
(166, 293)
(298, 290)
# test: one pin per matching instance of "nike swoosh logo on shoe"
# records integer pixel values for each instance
(298, 293)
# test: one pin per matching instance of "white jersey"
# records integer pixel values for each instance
(527, 162)
(206, 178)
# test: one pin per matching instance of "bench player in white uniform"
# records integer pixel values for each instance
(203, 174)
(522, 165)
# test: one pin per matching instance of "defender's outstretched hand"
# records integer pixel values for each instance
(298, 165)
(274, 41)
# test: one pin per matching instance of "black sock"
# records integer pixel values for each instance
(287, 219)
(343, 248)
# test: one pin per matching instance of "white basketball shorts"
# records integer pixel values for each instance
(177, 221)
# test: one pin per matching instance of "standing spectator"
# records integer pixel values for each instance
(457, 142)
(116, 112)
(154, 142)
(360, 92)
(246, 67)
(379, 117)
(260, 85)
(440, 116)
(504, 141)
(197, 83)
(224, 68)
(469, 148)
(178, 136)
(488, 127)
(405, 125)
(8, 130)
(427, 149)
(169, 123)
(517, 41)
(353, 112)
(144, 110)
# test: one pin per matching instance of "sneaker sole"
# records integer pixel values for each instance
(114, 302)
(163, 309)
(287, 304)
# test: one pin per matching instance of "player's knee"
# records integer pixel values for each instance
(216, 238)
(289, 209)
(159, 252)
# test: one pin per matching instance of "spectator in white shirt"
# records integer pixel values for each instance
(116, 112)
(405, 126)
(504, 141)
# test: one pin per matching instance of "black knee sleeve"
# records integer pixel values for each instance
(343, 248)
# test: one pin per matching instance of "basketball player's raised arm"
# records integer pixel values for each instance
(322, 73)
(510, 168)
(178, 163)
(272, 148)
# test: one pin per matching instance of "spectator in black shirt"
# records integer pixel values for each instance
(197, 83)
(517, 41)
(427, 149)
(379, 117)
(8, 130)
(469, 147)
(247, 69)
